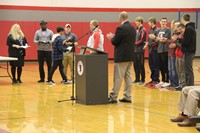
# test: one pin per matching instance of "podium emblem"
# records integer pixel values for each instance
(80, 68)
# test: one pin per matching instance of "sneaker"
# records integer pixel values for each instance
(141, 83)
(159, 85)
(50, 82)
(66, 81)
(165, 85)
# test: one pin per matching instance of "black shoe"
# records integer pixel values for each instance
(178, 88)
(19, 80)
(111, 100)
(14, 81)
(125, 101)
(135, 81)
(41, 81)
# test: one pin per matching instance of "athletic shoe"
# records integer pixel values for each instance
(66, 81)
(50, 82)
(141, 83)
(159, 85)
(165, 85)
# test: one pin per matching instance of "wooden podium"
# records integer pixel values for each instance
(91, 77)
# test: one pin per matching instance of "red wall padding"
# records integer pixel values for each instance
(79, 28)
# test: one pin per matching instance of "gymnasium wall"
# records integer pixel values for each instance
(29, 13)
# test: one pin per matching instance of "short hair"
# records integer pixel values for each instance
(152, 20)
(175, 21)
(186, 17)
(94, 22)
(124, 15)
(164, 18)
(181, 25)
(59, 29)
(139, 19)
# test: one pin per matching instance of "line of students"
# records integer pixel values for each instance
(169, 52)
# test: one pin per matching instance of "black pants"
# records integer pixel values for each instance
(139, 67)
(19, 72)
(153, 64)
(163, 66)
(189, 74)
(54, 67)
(42, 56)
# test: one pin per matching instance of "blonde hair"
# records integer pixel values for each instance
(13, 31)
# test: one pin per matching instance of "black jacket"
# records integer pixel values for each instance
(124, 41)
(15, 52)
(189, 39)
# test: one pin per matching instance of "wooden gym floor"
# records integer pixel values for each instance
(31, 107)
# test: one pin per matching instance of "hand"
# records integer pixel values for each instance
(198, 69)
(172, 45)
(16, 46)
(152, 36)
(163, 39)
(110, 35)
(174, 37)
(146, 44)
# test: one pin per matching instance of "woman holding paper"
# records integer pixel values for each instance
(17, 43)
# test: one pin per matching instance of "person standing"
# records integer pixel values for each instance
(15, 40)
(123, 41)
(180, 61)
(163, 35)
(70, 39)
(43, 37)
(153, 54)
(139, 52)
(189, 48)
(96, 40)
(57, 55)
(173, 77)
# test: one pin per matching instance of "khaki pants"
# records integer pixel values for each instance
(189, 99)
(68, 61)
(122, 71)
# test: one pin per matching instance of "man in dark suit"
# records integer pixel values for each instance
(123, 41)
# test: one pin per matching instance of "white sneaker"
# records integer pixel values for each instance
(165, 85)
(66, 81)
(50, 82)
(159, 85)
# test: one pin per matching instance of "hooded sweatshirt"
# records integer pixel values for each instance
(189, 40)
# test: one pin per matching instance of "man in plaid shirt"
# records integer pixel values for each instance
(57, 55)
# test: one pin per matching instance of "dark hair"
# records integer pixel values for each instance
(186, 17)
(59, 29)
(164, 18)
(181, 25)
(152, 20)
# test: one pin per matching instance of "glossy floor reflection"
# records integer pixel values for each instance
(33, 108)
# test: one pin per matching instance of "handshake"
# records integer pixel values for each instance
(68, 49)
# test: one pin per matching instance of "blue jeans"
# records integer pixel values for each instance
(173, 77)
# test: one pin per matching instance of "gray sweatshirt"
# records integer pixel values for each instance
(163, 33)
(43, 39)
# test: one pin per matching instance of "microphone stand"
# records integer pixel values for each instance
(72, 98)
